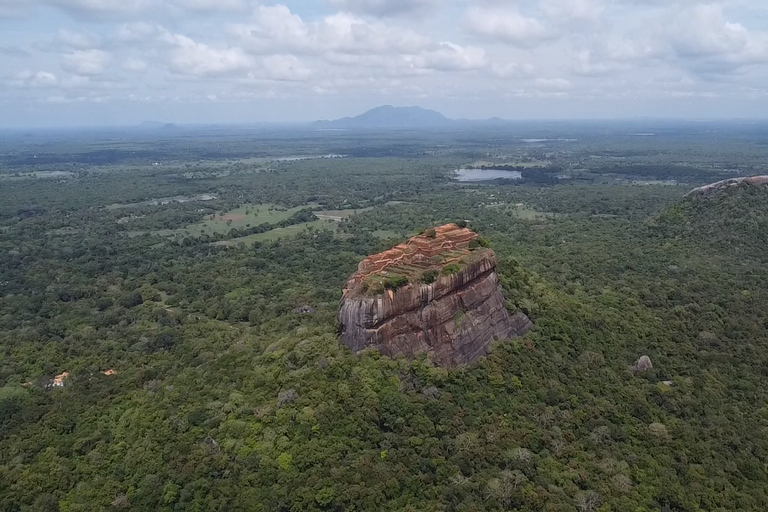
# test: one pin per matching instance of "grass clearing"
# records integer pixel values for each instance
(249, 215)
(385, 234)
(522, 211)
(278, 233)
(338, 215)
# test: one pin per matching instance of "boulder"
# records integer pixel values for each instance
(642, 365)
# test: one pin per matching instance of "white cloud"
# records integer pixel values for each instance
(704, 41)
(285, 68)
(76, 40)
(507, 70)
(86, 63)
(504, 24)
(552, 84)
(452, 57)
(188, 57)
(277, 29)
(26, 78)
(133, 64)
(573, 10)
(212, 5)
(138, 32)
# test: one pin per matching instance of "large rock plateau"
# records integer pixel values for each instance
(715, 188)
(453, 319)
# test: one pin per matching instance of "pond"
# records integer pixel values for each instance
(467, 175)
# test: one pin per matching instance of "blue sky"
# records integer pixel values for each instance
(120, 62)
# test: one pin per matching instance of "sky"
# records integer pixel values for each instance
(121, 62)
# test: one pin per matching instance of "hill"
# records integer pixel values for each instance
(436, 294)
(729, 217)
(388, 117)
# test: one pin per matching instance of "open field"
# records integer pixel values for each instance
(338, 215)
(274, 234)
(248, 215)
(522, 211)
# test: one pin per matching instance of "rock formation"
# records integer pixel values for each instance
(714, 188)
(643, 364)
(438, 294)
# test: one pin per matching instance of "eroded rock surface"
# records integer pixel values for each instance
(643, 364)
(453, 319)
(714, 188)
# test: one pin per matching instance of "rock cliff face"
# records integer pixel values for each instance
(453, 319)
(714, 188)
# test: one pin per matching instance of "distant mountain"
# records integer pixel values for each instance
(388, 116)
(156, 125)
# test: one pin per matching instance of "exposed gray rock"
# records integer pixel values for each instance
(714, 188)
(453, 320)
(642, 365)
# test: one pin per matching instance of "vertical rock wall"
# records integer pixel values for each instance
(453, 320)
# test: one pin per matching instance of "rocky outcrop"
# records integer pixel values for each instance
(453, 319)
(643, 364)
(715, 188)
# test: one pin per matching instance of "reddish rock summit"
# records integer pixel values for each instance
(437, 293)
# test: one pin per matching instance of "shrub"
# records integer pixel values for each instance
(373, 286)
(430, 233)
(395, 282)
(429, 276)
(461, 223)
(451, 268)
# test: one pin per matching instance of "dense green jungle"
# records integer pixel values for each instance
(157, 354)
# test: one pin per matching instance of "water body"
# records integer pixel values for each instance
(468, 175)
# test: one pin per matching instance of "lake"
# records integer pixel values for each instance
(485, 175)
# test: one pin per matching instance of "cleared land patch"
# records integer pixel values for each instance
(338, 215)
(522, 211)
(274, 234)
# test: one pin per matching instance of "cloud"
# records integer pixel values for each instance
(573, 10)
(282, 68)
(504, 24)
(76, 40)
(452, 57)
(702, 40)
(13, 51)
(509, 70)
(212, 5)
(275, 29)
(37, 79)
(386, 7)
(137, 32)
(101, 9)
(189, 57)
(552, 84)
(133, 64)
(85, 63)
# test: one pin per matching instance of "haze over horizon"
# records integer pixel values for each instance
(121, 62)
